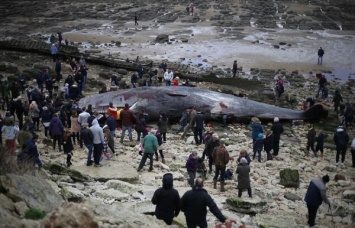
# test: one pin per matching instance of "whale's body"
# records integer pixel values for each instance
(173, 100)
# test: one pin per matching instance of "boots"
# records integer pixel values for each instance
(215, 184)
(222, 186)
(163, 160)
(121, 140)
(156, 158)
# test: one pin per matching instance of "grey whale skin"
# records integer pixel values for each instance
(173, 100)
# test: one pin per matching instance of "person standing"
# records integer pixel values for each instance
(56, 129)
(311, 139)
(183, 121)
(320, 143)
(191, 117)
(279, 87)
(135, 19)
(168, 77)
(134, 79)
(98, 140)
(10, 131)
(341, 139)
(256, 128)
(268, 144)
(58, 69)
(194, 202)
(167, 200)
(320, 56)
(221, 158)
(353, 153)
(199, 122)
(336, 100)
(68, 146)
(322, 82)
(150, 145)
(277, 129)
(191, 166)
(163, 125)
(127, 118)
(86, 138)
(316, 194)
(258, 146)
(235, 68)
(54, 52)
(213, 143)
(243, 171)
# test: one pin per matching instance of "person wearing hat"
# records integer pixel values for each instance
(167, 200)
(258, 146)
(150, 145)
(176, 81)
(277, 129)
(316, 194)
(243, 171)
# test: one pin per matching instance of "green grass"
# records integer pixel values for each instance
(35, 214)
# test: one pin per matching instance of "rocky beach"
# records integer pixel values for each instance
(269, 38)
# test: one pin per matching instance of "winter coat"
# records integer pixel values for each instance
(111, 123)
(199, 120)
(141, 125)
(86, 137)
(258, 144)
(243, 171)
(9, 131)
(269, 142)
(34, 112)
(256, 128)
(316, 193)
(46, 116)
(341, 138)
(184, 117)
(113, 112)
(56, 126)
(220, 156)
(311, 136)
(97, 132)
(150, 144)
(75, 126)
(167, 199)
(246, 157)
(67, 145)
(337, 98)
(32, 149)
(83, 117)
(191, 164)
(163, 124)
(210, 147)
(320, 140)
(127, 117)
(277, 129)
(194, 202)
(74, 92)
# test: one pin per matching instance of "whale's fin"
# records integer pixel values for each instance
(316, 112)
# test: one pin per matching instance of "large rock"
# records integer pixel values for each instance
(112, 194)
(36, 192)
(247, 207)
(263, 220)
(289, 178)
(162, 38)
(70, 215)
(349, 195)
(291, 196)
(61, 170)
(123, 186)
(126, 172)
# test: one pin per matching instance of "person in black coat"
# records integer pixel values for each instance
(214, 142)
(74, 92)
(68, 146)
(86, 138)
(341, 140)
(167, 200)
(199, 122)
(194, 202)
(22, 83)
(268, 144)
(277, 130)
(19, 112)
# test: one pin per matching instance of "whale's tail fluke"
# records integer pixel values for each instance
(316, 112)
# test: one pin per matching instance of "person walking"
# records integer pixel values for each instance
(213, 143)
(221, 158)
(135, 19)
(336, 100)
(168, 77)
(194, 202)
(311, 139)
(199, 122)
(341, 139)
(256, 128)
(150, 145)
(54, 52)
(56, 129)
(163, 125)
(10, 131)
(127, 118)
(277, 129)
(191, 117)
(316, 194)
(320, 56)
(98, 140)
(320, 143)
(87, 139)
(68, 146)
(167, 200)
(243, 171)
(268, 144)
(235, 68)
(353, 153)
(191, 166)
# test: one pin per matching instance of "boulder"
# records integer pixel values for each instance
(274, 221)
(162, 38)
(349, 195)
(72, 194)
(123, 186)
(338, 177)
(61, 170)
(20, 208)
(291, 196)
(289, 178)
(112, 194)
(70, 215)
(36, 192)
(247, 206)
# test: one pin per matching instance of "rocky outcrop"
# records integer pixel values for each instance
(162, 38)
(289, 178)
(247, 206)
(275, 221)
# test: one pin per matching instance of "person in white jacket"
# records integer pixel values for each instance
(98, 141)
(168, 77)
(353, 152)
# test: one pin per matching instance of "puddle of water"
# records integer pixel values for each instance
(340, 75)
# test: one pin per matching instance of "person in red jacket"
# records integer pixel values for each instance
(127, 118)
(112, 110)
(176, 81)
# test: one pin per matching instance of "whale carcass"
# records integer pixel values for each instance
(173, 100)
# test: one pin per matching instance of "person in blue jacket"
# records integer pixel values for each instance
(316, 194)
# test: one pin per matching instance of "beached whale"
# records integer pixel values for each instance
(173, 100)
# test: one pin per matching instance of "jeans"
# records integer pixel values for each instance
(113, 133)
(167, 82)
(320, 60)
(37, 161)
(276, 147)
(192, 176)
(89, 147)
(144, 159)
(240, 191)
(220, 170)
(259, 155)
(124, 128)
(342, 150)
(59, 139)
(312, 213)
(139, 134)
(198, 135)
(80, 88)
(97, 153)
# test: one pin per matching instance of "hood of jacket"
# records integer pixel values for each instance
(95, 123)
(340, 129)
(55, 120)
(168, 181)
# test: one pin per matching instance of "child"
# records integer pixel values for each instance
(228, 174)
(244, 154)
(68, 146)
(201, 168)
(258, 146)
(320, 142)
